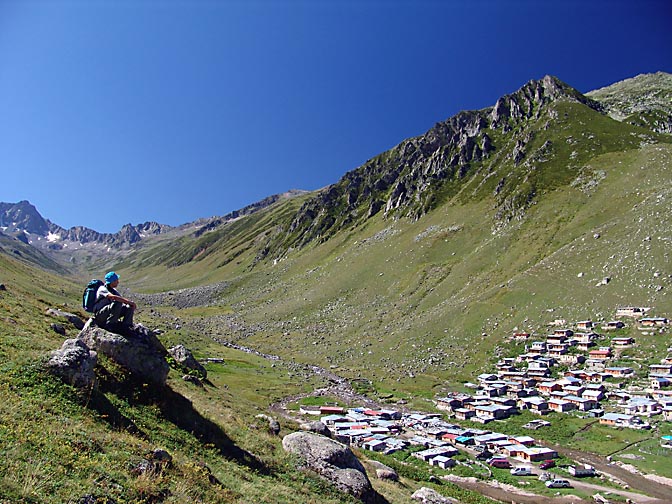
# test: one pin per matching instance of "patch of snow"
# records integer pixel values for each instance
(52, 237)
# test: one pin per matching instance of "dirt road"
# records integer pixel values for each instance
(635, 481)
(509, 493)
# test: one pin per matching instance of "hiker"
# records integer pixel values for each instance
(112, 310)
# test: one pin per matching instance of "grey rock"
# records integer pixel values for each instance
(273, 424)
(384, 472)
(333, 461)
(428, 496)
(140, 352)
(69, 317)
(74, 362)
(184, 358)
(193, 379)
(58, 329)
(316, 427)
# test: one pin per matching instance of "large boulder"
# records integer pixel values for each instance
(332, 460)
(74, 362)
(185, 358)
(139, 351)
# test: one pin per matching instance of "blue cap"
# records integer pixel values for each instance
(111, 277)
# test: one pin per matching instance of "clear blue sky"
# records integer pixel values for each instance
(174, 110)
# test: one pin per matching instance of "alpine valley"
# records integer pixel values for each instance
(462, 271)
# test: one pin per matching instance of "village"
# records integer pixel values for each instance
(590, 386)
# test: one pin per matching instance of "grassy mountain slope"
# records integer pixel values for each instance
(431, 297)
(411, 272)
(645, 100)
(59, 446)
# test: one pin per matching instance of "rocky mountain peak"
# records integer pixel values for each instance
(22, 216)
(410, 179)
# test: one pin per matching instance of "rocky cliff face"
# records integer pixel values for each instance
(415, 176)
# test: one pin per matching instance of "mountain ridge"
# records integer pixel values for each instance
(410, 179)
(22, 221)
(415, 176)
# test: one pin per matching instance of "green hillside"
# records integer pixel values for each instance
(399, 297)
(408, 276)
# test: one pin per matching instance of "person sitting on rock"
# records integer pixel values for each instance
(112, 310)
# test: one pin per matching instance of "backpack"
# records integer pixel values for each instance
(89, 296)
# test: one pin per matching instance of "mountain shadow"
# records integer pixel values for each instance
(174, 408)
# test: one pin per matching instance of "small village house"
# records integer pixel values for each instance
(642, 406)
(571, 359)
(534, 404)
(585, 325)
(667, 413)
(660, 369)
(622, 420)
(443, 462)
(546, 388)
(622, 342)
(595, 365)
(654, 322)
(520, 336)
(660, 382)
(537, 454)
(619, 371)
(602, 353)
(582, 403)
(560, 405)
(631, 311)
(595, 395)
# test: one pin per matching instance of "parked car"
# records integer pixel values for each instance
(480, 448)
(501, 463)
(558, 483)
(522, 471)
(547, 464)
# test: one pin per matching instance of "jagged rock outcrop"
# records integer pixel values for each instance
(413, 178)
(74, 362)
(141, 352)
(128, 235)
(184, 358)
(333, 461)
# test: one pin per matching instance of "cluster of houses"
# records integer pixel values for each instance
(388, 431)
(519, 383)
(525, 382)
